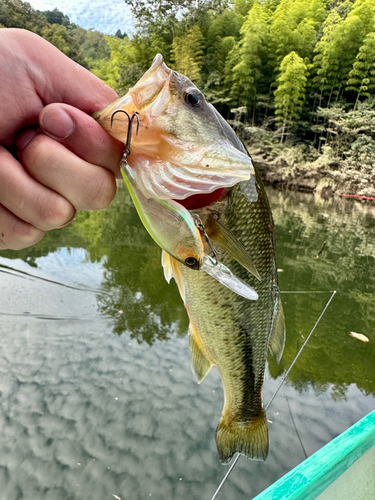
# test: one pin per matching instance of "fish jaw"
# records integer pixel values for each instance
(181, 149)
(146, 90)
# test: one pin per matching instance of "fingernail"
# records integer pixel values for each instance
(24, 138)
(69, 221)
(56, 123)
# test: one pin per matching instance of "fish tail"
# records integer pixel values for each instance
(249, 438)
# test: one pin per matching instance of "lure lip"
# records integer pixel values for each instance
(224, 275)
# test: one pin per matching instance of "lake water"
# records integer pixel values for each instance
(97, 398)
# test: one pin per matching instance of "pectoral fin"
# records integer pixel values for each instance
(230, 244)
(166, 262)
(200, 365)
(278, 331)
(171, 268)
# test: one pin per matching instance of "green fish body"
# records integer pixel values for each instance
(230, 331)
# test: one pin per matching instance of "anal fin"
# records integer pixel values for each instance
(199, 363)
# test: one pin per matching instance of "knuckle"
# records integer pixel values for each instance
(36, 154)
(101, 190)
(53, 211)
(23, 235)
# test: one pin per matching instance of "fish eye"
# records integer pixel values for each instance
(191, 262)
(192, 99)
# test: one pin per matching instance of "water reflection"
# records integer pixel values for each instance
(346, 264)
(140, 301)
(89, 414)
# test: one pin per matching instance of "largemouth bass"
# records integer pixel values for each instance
(186, 154)
(229, 331)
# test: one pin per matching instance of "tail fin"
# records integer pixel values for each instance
(249, 438)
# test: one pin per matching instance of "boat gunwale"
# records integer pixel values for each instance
(315, 474)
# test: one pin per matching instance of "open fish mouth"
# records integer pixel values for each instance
(184, 146)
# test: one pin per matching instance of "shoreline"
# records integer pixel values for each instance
(327, 180)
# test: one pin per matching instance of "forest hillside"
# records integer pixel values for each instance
(295, 78)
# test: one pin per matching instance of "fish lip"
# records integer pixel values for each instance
(156, 77)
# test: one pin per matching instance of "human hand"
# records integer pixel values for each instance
(54, 158)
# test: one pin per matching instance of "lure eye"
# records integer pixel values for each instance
(192, 99)
(192, 262)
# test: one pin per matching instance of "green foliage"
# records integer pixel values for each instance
(187, 54)
(290, 92)
(349, 135)
(17, 14)
(95, 46)
(61, 37)
(362, 76)
(294, 28)
(252, 56)
(339, 46)
(56, 17)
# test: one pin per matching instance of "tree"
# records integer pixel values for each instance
(362, 76)
(17, 14)
(337, 50)
(95, 46)
(56, 17)
(252, 55)
(243, 6)
(187, 54)
(294, 28)
(60, 37)
(326, 58)
(120, 35)
(290, 92)
(123, 57)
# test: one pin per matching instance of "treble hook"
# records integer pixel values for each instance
(130, 126)
(200, 226)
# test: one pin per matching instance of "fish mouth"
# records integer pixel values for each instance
(172, 157)
(197, 201)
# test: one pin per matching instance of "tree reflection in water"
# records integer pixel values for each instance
(152, 310)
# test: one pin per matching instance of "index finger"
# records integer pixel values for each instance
(81, 134)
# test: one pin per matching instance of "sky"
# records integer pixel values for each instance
(106, 16)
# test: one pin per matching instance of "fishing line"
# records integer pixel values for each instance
(25, 275)
(295, 427)
(300, 351)
(277, 390)
(306, 291)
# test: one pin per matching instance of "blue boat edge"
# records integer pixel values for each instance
(315, 474)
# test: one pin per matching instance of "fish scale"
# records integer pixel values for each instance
(235, 332)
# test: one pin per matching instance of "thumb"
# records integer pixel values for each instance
(59, 79)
